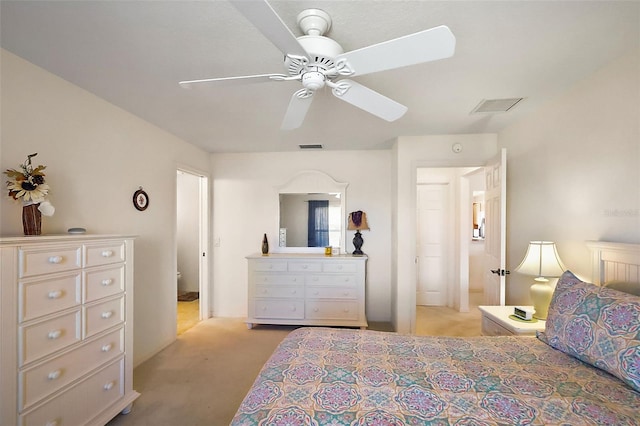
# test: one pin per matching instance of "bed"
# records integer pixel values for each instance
(584, 369)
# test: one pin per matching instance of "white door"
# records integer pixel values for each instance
(495, 229)
(431, 240)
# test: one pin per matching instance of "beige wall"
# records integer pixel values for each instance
(245, 204)
(97, 155)
(574, 171)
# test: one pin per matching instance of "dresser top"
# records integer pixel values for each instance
(312, 256)
(52, 238)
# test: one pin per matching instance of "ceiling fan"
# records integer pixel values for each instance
(318, 61)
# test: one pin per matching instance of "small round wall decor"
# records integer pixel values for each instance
(140, 199)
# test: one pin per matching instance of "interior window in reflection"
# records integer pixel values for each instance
(310, 220)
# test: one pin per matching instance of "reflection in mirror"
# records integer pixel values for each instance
(311, 197)
(310, 220)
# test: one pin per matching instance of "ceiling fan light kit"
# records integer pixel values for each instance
(318, 61)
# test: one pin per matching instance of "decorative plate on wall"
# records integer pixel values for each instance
(140, 199)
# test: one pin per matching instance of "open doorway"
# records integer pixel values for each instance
(449, 250)
(191, 248)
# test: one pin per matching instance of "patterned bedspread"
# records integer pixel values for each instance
(322, 376)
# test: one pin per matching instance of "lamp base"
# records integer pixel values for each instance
(541, 293)
(357, 243)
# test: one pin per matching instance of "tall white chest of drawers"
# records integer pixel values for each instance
(67, 329)
(307, 289)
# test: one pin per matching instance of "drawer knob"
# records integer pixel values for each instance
(107, 253)
(54, 334)
(55, 259)
(109, 386)
(345, 311)
(107, 281)
(315, 309)
(293, 291)
(315, 293)
(106, 348)
(54, 375)
(304, 266)
(107, 314)
(346, 293)
(56, 294)
(293, 309)
(52, 423)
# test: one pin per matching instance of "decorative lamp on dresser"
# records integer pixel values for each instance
(307, 289)
(66, 307)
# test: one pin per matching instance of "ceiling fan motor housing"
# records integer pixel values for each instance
(321, 50)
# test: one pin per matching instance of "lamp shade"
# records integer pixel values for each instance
(541, 261)
(357, 221)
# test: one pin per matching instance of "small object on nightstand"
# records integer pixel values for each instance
(76, 230)
(523, 313)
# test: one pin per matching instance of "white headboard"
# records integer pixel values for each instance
(615, 263)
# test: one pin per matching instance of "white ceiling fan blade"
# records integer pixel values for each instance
(369, 100)
(424, 46)
(297, 110)
(234, 81)
(264, 18)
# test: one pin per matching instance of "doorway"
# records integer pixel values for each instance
(191, 248)
(449, 247)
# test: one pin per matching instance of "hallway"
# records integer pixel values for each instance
(444, 321)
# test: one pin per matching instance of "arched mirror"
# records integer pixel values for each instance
(311, 213)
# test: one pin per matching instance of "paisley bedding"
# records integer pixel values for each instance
(323, 376)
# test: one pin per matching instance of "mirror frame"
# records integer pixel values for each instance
(313, 181)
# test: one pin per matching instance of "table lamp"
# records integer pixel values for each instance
(357, 222)
(541, 261)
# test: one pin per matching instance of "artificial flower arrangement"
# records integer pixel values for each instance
(28, 185)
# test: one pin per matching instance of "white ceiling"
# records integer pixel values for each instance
(133, 53)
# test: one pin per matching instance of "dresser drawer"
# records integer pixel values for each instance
(331, 293)
(304, 266)
(268, 265)
(340, 267)
(278, 279)
(104, 253)
(279, 309)
(44, 338)
(332, 310)
(46, 296)
(38, 382)
(38, 261)
(333, 279)
(102, 316)
(491, 328)
(279, 292)
(80, 404)
(99, 283)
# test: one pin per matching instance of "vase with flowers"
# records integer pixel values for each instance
(28, 186)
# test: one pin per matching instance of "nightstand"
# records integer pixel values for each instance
(496, 322)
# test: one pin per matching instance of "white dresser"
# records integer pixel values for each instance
(307, 289)
(66, 305)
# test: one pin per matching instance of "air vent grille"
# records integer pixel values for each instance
(310, 146)
(491, 106)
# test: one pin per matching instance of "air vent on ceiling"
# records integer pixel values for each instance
(491, 106)
(311, 146)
